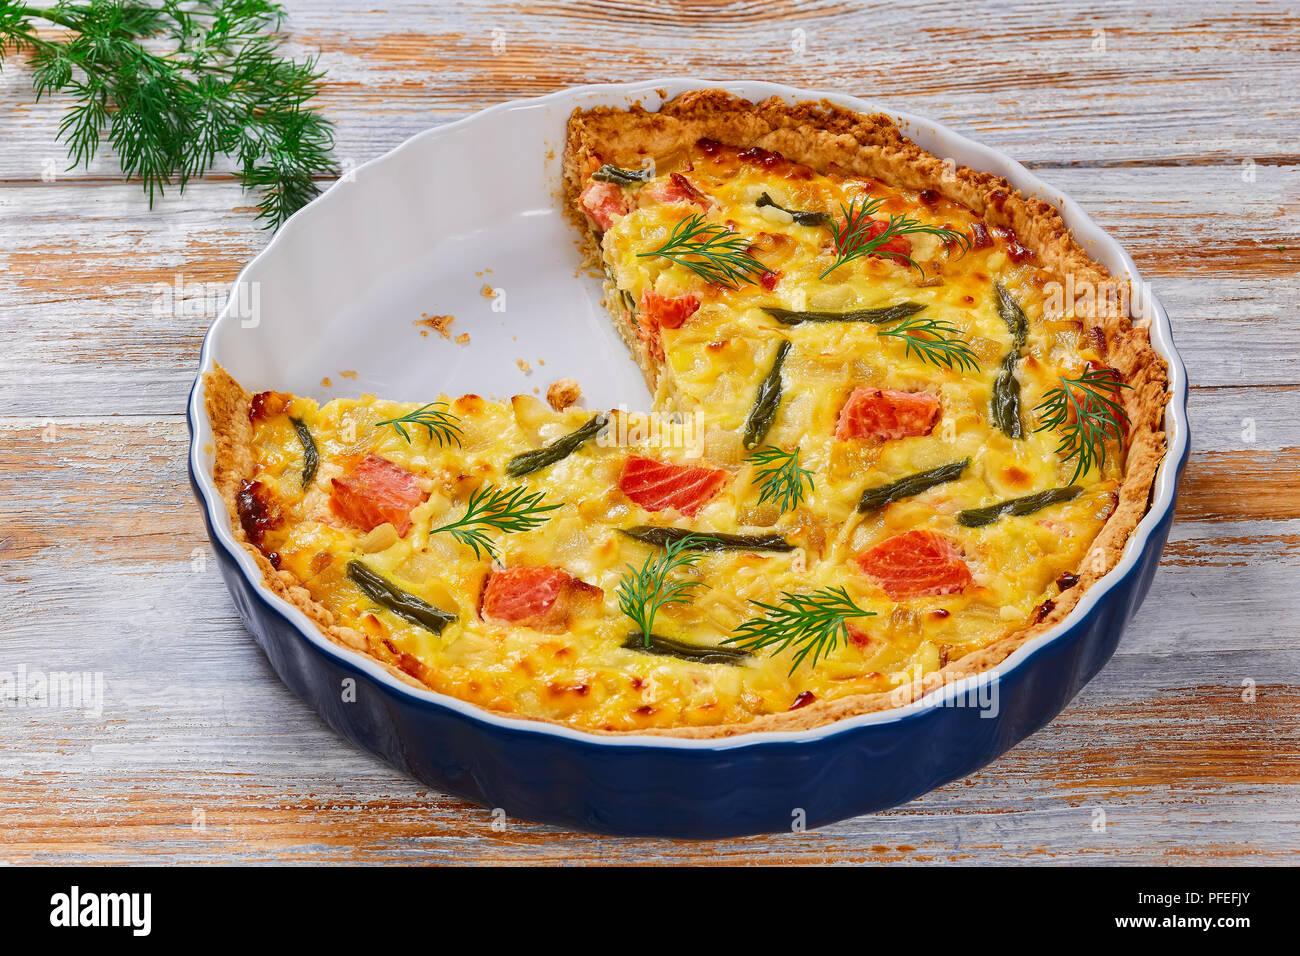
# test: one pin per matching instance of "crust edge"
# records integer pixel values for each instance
(226, 402)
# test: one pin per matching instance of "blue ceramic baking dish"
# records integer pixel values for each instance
(317, 301)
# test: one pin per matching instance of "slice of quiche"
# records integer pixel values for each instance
(881, 455)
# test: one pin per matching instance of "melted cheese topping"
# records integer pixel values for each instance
(581, 674)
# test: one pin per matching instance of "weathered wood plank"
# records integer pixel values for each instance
(1059, 83)
(1183, 776)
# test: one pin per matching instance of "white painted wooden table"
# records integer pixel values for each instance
(1174, 124)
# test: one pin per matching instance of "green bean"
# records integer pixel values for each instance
(911, 485)
(402, 603)
(877, 316)
(768, 400)
(661, 537)
(528, 462)
(978, 517)
(622, 177)
(802, 218)
(1006, 398)
(1012, 315)
(310, 456)
(696, 653)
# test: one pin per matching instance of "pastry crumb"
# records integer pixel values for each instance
(487, 291)
(348, 373)
(563, 393)
(523, 366)
(438, 323)
(462, 339)
(325, 382)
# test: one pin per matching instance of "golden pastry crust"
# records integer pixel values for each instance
(227, 403)
(822, 136)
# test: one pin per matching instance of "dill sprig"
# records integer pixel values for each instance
(497, 509)
(936, 341)
(858, 234)
(641, 593)
(712, 252)
(780, 477)
(173, 87)
(1087, 412)
(434, 418)
(815, 623)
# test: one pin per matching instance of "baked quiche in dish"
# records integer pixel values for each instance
(884, 450)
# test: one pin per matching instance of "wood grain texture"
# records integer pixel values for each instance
(1187, 742)
(1057, 83)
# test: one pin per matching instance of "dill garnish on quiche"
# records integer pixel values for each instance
(644, 591)
(497, 509)
(438, 424)
(1087, 413)
(714, 253)
(859, 234)
(780, 478)
(811, 623)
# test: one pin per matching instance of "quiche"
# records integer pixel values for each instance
(883, 450)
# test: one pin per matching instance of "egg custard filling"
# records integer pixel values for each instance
(882, 454)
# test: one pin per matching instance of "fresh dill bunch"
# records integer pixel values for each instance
(497, 509)
(641, 593)
(176, 86)
(1087, 411)
(780, 477)
(712, 252)
(434, 418)
(858, 234)
(936, 341)
(814, 623)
